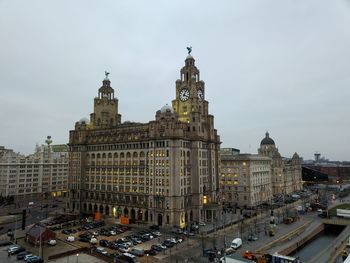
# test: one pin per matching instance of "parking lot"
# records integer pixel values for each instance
(114, 239)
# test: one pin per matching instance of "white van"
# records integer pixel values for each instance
(236, 243)
(70, 239)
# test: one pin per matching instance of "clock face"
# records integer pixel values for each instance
(184, 94)
(200, 95)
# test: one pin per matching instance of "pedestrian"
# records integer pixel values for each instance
(8, 254)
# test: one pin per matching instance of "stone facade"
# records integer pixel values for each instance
(286, 173)
(245, 179)
(29, 177)
(163, 172)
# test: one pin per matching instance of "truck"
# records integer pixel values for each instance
(236, 243)
(343, 213)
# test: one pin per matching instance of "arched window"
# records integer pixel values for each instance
(128, 155)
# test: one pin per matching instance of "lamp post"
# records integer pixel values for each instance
(147, 257)
(15, 238)
(78, 258)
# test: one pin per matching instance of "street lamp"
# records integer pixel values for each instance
(147, 257)
(78, 258)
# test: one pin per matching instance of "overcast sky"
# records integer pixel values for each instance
(281, 66)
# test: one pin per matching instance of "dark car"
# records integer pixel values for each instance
(167, 243)
(252, 238)
(156, 248)
(88, 235)
(84, 239)
(104, 243)
(21, 255)
(17, 250)
(35, 260)
(5, 243)
(151, 252)
(113, 245)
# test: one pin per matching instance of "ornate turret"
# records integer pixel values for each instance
(105, 106)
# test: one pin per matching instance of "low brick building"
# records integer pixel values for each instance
(34, 233)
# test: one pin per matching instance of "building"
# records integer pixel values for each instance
(286, 173)
(163, 172)
(39, 233)
(245, 179)
(43, 173)
(334, 173)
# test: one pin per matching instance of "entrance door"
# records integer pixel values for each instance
(160, 219)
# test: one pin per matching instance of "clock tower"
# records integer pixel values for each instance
(105, 107)
(190, 103)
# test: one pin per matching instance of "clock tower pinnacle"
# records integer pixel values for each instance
(105, 107)
(190, 103)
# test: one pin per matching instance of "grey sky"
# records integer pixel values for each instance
(281, 66)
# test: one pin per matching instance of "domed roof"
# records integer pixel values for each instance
(166, 108)
(267, 140)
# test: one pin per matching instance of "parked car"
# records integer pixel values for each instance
(157, 248)
(5, 243)
(252, 238)
(168, 243)
(17, 250)
(52, 242)
(84, 239)
(28, 257)
(151, 252)
(21, 255)
(104, 243)
(70, 239)
(35, 260)
(101, 250)
(137, 252)
(11, 248)
(156, 233)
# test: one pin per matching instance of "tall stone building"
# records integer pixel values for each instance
(43, 173)
(245, 179)
(163, 172)
(286, 173)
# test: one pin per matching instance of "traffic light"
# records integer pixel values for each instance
(24, 213)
